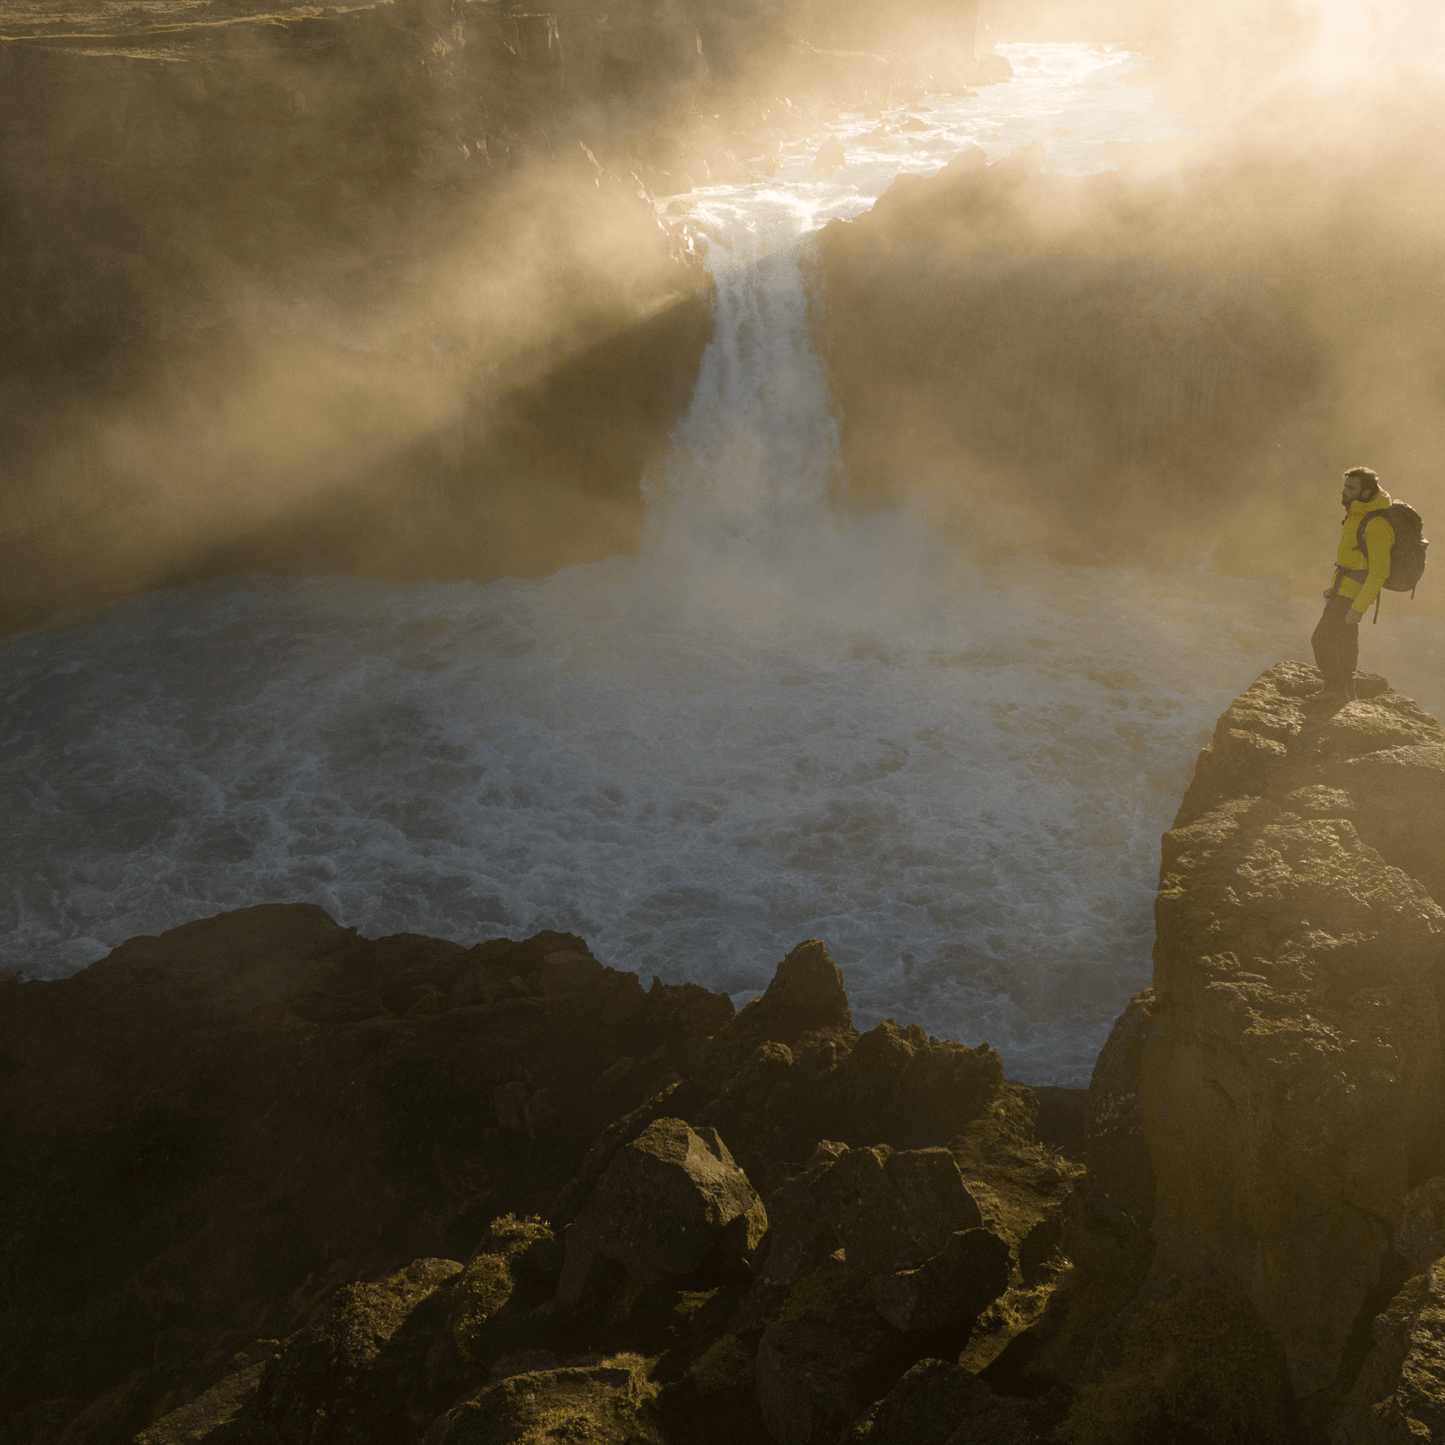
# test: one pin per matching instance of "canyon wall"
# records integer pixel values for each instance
(1169, 362)
(377, 289)
(283, 289)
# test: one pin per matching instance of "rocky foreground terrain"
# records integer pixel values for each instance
(268, 1181)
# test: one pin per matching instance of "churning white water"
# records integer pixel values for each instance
(767, 726)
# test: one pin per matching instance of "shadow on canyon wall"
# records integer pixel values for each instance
(380, 290)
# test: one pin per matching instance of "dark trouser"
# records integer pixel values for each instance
(1337, 645)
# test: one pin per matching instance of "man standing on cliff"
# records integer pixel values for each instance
(1361, 566)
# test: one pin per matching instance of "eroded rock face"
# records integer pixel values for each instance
(1289, 1082)
(1399, 1398)
(1379, 761)
(1109, 1220)
(1420, 1235)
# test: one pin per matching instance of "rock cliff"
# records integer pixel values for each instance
(268, 1181)
(1266, 1122)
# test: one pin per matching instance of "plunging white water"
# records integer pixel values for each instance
(766, 726)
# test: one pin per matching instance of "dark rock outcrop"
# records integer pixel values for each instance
(602, 1403)
(1109, 1224)
(209, 1131)
(252, 1160)
(790, 1069)
(1293, 1068)
(940, 1403)
(666, 1200)
(952, 1287)
(363, 1357)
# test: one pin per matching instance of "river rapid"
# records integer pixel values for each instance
(768, 725)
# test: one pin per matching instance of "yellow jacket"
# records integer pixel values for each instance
(1370, 570)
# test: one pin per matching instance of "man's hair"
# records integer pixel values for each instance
(1371, 481)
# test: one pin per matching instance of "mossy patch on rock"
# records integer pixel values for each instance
(836, 1294)
(821, 1360)
(488, 1281)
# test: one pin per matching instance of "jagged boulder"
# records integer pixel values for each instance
(516, 1253)
(209, 1414)
(891, 1085)
(1399, 1397)
(1107, 1223)
(898, 1085)
(822, 1359)
(806, 997)
(790, 1069)
(913, 1257)
(951, 1287)
(906, 1224)
(662, 1204)
(888, 1211)
(894, 1210)
(680, 1099)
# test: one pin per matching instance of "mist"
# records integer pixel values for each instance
(397, 292)
(478, 473)
(1172, 363)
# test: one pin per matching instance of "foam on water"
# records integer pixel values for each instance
(768, 725)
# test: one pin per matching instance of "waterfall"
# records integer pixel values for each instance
(756, 456)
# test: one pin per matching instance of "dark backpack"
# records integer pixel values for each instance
(1407, 556)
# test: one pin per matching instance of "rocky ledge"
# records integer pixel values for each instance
(268, 1181)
